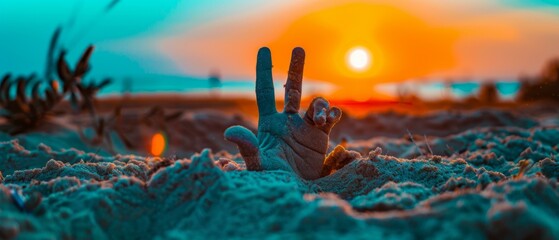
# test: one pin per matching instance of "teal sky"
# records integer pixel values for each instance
(122, 36)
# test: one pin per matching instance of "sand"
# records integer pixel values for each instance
(469, 174)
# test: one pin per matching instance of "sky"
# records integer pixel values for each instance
(417, 41)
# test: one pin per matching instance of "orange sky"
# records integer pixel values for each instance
(406, 41)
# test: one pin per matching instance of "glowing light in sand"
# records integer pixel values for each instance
(55, 85)
(359, 58)
(157, 144)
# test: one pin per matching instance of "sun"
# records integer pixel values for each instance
(359, 59)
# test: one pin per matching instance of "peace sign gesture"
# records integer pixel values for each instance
(286, 141)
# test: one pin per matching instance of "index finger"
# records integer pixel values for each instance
(265, 98)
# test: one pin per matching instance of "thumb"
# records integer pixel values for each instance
(248, 146)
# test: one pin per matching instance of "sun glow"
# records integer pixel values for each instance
(157, 144)
(330, 32)
(359, 59)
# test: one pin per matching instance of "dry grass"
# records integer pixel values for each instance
(25, 104)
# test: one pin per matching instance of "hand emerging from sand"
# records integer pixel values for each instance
(286, 141)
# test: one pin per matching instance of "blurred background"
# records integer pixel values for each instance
(356, 50)
(166, 78)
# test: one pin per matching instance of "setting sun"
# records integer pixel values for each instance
(356, 46)
(359, 59)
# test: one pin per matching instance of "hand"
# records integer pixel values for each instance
(286, 141)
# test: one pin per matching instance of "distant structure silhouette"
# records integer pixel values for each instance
(214, 82)
(543, 87)
(126, 86)
(447, 92)
(488, 93)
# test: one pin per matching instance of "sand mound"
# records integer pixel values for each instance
(473, 187)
